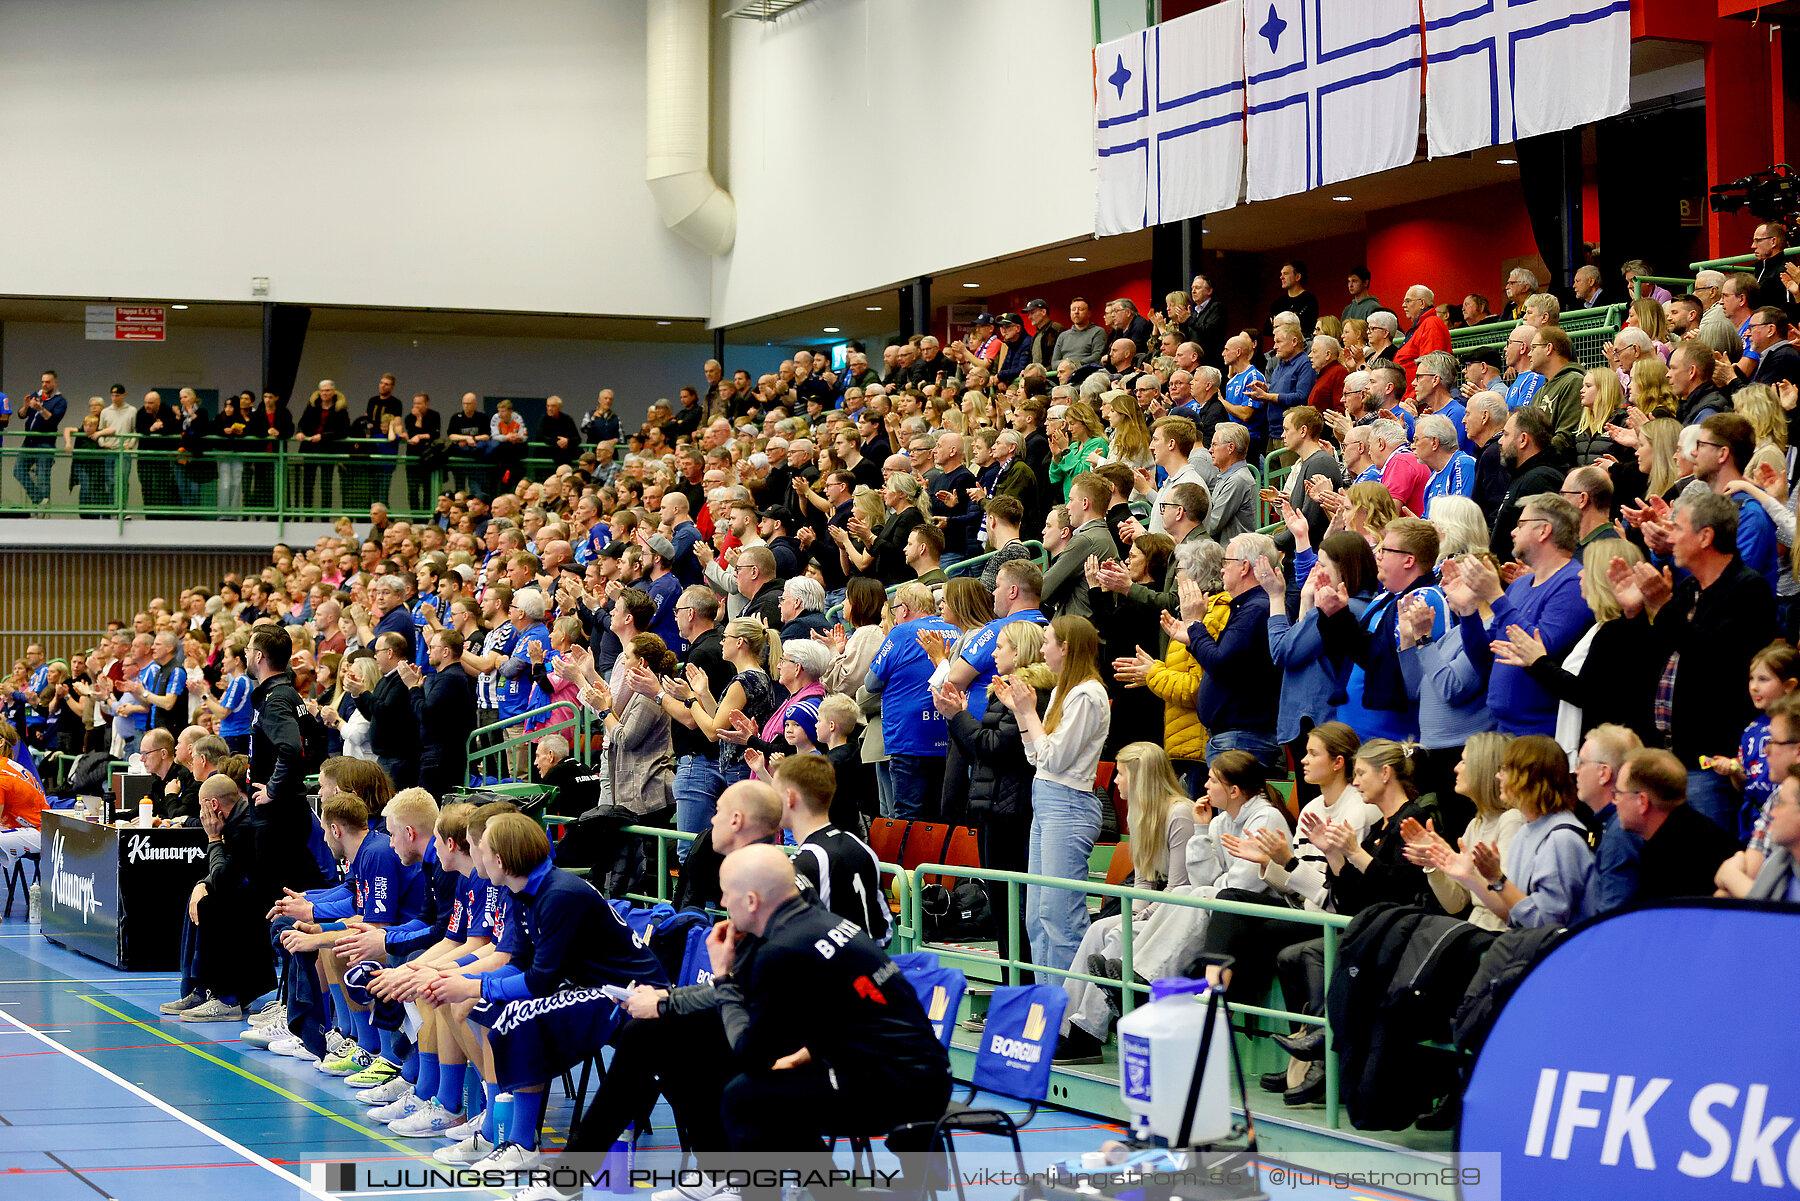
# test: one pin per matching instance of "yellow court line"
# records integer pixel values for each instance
(340, 1119)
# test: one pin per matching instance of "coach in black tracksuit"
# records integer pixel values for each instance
(282, 820)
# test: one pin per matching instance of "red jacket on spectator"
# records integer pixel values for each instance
(1428, 334)
(1405, 477)
(1327, 395)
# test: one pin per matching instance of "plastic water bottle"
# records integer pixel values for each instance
(1159, 1045)
(34, 905)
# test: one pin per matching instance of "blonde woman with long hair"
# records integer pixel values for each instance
(1064, 746)
(1495, 820)
(1602, 404)
(1650, 390)
(1162, 821)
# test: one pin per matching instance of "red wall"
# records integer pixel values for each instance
(1454, 245)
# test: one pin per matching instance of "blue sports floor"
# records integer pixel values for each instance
(102, 1097)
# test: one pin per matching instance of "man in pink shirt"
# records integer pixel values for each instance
(1402, 474)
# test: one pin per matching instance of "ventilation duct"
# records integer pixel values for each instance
(678, 72)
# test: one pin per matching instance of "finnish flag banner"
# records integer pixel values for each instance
(1122, 135)
(1507, 69)
(1333, 91)
(1197, 162)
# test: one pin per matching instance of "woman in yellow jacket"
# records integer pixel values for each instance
(1176, 679)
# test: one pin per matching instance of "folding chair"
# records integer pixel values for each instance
(1013, 1060)
(940, 991)
(15, 879)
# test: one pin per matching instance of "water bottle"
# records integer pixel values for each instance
(1159, 1046)
(34, 904)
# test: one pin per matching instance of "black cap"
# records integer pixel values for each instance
(985, 319)
(614, 549)
(1010, 319)
(1485, 355)
(780, 513)
(118, 389)
(1036, 306)
(484, 498)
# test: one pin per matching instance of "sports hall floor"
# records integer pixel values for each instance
(102, 1097)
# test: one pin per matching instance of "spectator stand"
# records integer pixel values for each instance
(964, 567)
(1591, 331)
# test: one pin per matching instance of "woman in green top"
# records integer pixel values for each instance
(1080, 435)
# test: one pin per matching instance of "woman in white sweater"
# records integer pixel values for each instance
(1496, 821)
(1064, 746)
(1158, 805)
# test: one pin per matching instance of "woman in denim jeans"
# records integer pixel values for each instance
(1064, 746)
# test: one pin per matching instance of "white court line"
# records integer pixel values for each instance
(229, 1144)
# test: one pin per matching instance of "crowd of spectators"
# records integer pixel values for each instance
(1519, 632)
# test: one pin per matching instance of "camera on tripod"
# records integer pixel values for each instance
(1771, 195)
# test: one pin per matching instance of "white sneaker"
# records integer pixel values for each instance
(507, 1157)
(544, 1192)
(272, 1014)
(472, 1149)
(430, 1120)
(292, 1047)
(472, 1126)
(403, 1107)
(704, 1191)
(213, 1010)
(334, 1038)
(383, 1094)
(263, 1036)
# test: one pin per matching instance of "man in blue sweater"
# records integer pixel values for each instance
(536, 1028)
(1546, 599)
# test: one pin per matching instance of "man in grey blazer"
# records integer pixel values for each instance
(1779, 879)
(1065, 584)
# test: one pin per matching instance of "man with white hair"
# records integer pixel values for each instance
(1587, 287)
(1436, 441)
(1520, 283)
(1234, 493)
(1483, 422)
(1426, 331)
(1401, 472)
(1627, 347)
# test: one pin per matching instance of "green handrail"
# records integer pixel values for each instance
(1736, 260)
(580, 720)
(159, 481)
(1329, 924)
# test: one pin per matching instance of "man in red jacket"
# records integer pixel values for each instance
(1425, 333)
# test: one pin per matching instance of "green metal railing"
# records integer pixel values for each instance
(480, 754)
(285, 485)
(1736, 260)
(1591, 330)
(1329, 924)
(908, 931)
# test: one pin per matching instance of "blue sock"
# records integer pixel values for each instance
(424, 1068)
(341, 1011)
(365, 1031)
(490, 1094)
(450, 1085)
(500, 1109)
(527, 1111)
(386, 1039)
